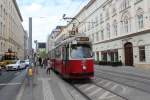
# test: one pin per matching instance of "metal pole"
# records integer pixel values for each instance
(31, 56)
(30, 38)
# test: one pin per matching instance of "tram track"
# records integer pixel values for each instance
(82, 93)
(124, 73)
(88, 89)
(124, 80)
(89, 83)
(92, 83)
(123, 97)
(128, 77)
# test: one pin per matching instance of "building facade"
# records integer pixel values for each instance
(56, 36)
(26, 50)
(11, 29)
(119, 29)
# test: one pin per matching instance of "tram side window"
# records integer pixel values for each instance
(58, 52)
(65, 53)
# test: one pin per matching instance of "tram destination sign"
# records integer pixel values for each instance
(82, 39)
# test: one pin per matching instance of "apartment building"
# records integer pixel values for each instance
(11, 29)
(119, 30)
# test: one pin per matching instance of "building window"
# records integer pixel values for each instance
(88, 27)
(107, 14)
(126, 23)
(97, 55)
(142, 53)
(1, 10)
(108, 30)
(1, 28)
(140, 20)
(114, 9)
(93, 37)
(102, 34)
(97, 37)
(125, 4)
(104, 56)
(92, 24)
(101, 18)
(115, 27)
(96, 21)
(137, 1)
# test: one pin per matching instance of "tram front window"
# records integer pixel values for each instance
(81, 51)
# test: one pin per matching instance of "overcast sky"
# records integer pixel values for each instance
(47, 14)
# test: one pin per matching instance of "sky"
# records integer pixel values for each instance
(47, 14)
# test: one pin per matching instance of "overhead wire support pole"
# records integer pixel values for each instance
(74, 18)
(30, 56)
(30, 39)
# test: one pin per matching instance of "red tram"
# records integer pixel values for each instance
(72, 58)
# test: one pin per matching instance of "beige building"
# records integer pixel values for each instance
(56, 35)
(11, 29)
(119, 30)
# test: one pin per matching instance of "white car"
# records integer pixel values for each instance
(19, 64)
(27, 63)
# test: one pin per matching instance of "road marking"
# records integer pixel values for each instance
(107, 84)
(47, 90)
(96, 91)
(102, 81)
(114, 87)
(89, 88)
(105, 95)
(20, 92)
(83, 86)
(5, 84)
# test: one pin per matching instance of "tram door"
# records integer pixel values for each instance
(65, 58)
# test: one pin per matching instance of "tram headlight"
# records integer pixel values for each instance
(84, 67)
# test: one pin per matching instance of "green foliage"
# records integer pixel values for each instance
(43, 54)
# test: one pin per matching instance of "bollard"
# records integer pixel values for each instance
(30, 72)
(30, 76)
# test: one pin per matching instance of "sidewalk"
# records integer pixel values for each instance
(46, 87)
(126, 69)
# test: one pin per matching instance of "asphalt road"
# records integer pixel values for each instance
(10, 83)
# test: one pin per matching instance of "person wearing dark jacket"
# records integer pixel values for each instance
(40, 61)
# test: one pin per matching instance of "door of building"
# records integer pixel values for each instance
(128, 54)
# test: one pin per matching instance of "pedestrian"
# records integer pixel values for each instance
(48, 67)
(40, 61)
(45, 63)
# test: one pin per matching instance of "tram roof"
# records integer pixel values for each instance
(71, 39)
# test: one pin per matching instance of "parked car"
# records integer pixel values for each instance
(27, 63)
(18, 64)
